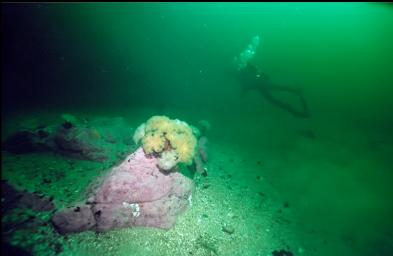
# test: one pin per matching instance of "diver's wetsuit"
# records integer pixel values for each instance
(252, 78)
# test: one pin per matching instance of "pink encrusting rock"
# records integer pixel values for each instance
(161, 213)
(134, 193)
(137, 179)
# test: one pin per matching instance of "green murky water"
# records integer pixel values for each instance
(314, 185)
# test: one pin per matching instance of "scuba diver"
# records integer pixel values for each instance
(252, 78)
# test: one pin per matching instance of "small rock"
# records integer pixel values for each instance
(282, 253)
(307, 134)
(67, 125)
(228, 229)
(47, 181)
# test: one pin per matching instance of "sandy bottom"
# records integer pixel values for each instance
(312, 196)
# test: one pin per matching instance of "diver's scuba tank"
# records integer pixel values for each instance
(247, 54)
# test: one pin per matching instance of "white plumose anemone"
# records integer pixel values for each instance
(168, 160)
(139, 133)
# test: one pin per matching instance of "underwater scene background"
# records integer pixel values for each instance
(295, 100)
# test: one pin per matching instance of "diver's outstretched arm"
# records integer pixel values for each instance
(304, 112)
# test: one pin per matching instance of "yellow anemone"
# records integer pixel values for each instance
(153, 142)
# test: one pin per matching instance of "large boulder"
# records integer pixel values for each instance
(134, 193)
(80, 142)
(12, 198)
(100, 140)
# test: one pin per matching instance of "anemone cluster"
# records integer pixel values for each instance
(171, 141)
